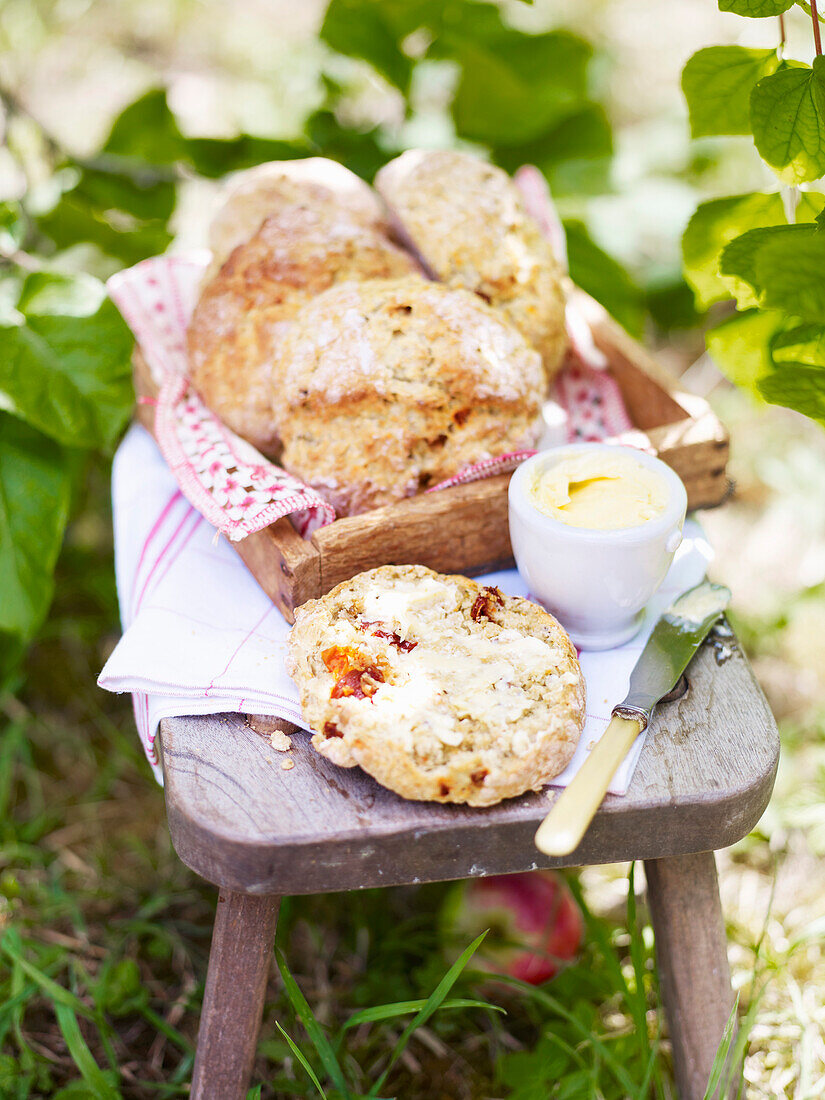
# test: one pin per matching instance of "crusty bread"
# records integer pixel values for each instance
(390, 386)
(252, 196)
(244, 312)
(468, 220)
(439, 688)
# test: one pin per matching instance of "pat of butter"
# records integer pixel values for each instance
(599, 490)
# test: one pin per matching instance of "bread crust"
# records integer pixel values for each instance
(237, 327)
(390, 386)
(440, 639)
(252, 196)
(469, 222)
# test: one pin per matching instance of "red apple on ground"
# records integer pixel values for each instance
(535, 924)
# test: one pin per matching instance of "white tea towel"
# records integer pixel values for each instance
(201, 637)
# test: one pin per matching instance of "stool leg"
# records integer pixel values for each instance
(691, 947)
(233, 1000)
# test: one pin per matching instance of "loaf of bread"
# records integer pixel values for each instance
(391, 386)
(245, 310)
(467, 219)
(439, 688)
(250, 197)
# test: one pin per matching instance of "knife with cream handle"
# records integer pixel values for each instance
(675, 639)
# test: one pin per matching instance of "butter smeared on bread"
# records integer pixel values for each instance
(441, 689)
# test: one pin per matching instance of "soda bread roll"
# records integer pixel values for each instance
(256, 194)
(439, 688)
(468, 220)
(390, 386)
(237, 327)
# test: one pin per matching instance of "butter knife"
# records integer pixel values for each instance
(675, 639)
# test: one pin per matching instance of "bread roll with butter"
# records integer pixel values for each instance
(468, 220)
(441, 689)
(393, 385)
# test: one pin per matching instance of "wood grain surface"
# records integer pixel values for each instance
(702, 782)
(233, 1000)
(691, 948)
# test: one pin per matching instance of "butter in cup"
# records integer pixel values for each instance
(594, 528)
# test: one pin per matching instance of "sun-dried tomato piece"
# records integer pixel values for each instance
(484, 603)
(392, 637)
(359, 683)
(340, 659)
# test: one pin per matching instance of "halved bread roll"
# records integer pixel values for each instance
(439, 688)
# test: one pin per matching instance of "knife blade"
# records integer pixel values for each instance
(672, 644)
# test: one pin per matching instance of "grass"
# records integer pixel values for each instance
(105, 935)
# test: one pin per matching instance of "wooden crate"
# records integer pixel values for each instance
(465, 529)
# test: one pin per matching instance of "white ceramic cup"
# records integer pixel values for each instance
(596, 582)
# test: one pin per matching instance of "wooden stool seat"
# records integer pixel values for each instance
(241, 821)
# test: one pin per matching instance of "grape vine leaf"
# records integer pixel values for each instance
(740, 259)
(801, 388)
(788, 121)
(791, 272)
(713, 225)
(604, 278)
(717, 83)
(756, 9)
(64, 361)
(801, 344)
(739, 346)
(34, 502)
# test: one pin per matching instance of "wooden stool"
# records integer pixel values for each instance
(259, 832)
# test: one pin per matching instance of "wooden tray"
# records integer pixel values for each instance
(465, 529)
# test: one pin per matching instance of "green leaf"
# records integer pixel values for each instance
(98, 1082)
(12, 227)
(713, 225)
(358, 150)
(299, 1054)
(803, 344)
(788, 121)
(740, 346)
(574, 155)
(34, 506)
(430, 1006)
(313, 1028)
(214, 157)
(604, 278)
(147, 131)
(64, 363)
(791, 272)
(73, 219)
(717, 84)
(798, 387)
(539, 80)
(361, 28)
(756, 9)
(739, 260)
(377, 1013)
(145, 192)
